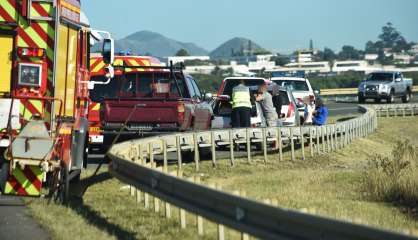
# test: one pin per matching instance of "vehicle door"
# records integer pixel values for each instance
(400, 86)
(202, 109)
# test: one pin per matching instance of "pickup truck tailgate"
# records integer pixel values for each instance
(146, 111)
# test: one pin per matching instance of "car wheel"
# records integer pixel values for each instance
(391, 97)
(361, 100)
(377, 100)
(406, 98)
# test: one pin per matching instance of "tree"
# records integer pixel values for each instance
(182, 53)
(371, 47)
(349, 53)
(281, 60)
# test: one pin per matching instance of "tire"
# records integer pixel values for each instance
(378, 100)
(361, 100)
(407, 97)
(391, 97)
(4, 174)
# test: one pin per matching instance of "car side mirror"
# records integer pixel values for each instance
(208, 97)
(317, 92)
(108, 51)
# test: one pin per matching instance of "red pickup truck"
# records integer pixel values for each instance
(145, 103)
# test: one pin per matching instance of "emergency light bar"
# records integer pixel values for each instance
(31, 52)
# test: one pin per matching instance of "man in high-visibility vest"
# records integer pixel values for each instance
(241, 106)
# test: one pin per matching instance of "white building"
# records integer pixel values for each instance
(345, 66)
(414, 49)
(402, 58)
(310, 67)
(305, 55)
(180, 59)
(238, 69)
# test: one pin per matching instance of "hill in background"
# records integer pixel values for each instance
(155, 44)
(237, 47)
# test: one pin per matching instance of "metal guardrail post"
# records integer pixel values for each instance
(280, 143)
(318, 134)
(196, 151)
(264, 136)
(292, 144)
(178, 146)
(213, 148)
(311, 141)
(248, 146)
(302, 142)
(231, 146)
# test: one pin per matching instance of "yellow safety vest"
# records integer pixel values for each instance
(241, 97)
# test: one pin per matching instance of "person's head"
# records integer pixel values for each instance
(262, 88)
(319, 102)
(307, 100)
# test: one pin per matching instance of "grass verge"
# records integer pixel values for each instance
(331, 186)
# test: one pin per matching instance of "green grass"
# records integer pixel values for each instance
(327, 185)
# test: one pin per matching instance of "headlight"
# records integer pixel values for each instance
(30, 74)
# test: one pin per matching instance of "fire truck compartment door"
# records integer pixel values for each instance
(5, 105)
(6, 48)
(33, 142)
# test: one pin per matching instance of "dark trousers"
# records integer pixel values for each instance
(241, 117)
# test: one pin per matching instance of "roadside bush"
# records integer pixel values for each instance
(394, 178)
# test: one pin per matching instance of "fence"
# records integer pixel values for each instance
(133, 163)
(348, 91)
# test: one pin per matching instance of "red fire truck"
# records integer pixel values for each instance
(44, 97)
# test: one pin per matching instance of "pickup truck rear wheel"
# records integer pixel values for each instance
(407, 97)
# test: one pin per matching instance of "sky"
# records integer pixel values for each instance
(278, 25)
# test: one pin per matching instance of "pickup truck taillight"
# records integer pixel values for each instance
(180, 112)
(291, 111)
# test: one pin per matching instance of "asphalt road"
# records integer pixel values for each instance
(15, 223)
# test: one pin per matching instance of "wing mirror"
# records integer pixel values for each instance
(108, 51)
(208, 97)
(317, 92)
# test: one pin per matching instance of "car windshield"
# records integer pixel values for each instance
(143, 84)
(231, 83)
(386, 77)
(293, 85)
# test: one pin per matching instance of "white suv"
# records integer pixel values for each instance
(300, 87)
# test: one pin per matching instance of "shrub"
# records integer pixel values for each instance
(394, 178)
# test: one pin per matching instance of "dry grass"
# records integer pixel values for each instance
(328, 185)
(394, 178)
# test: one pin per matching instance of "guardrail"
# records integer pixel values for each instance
(133, 163)
(347, 91)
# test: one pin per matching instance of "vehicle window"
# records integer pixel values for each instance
(145, 84)
(103, 92)
(284, 98)
(387, 77)
(196, 88)
(231, 83)
(128, 85)
(293, 85)
(191, 88)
